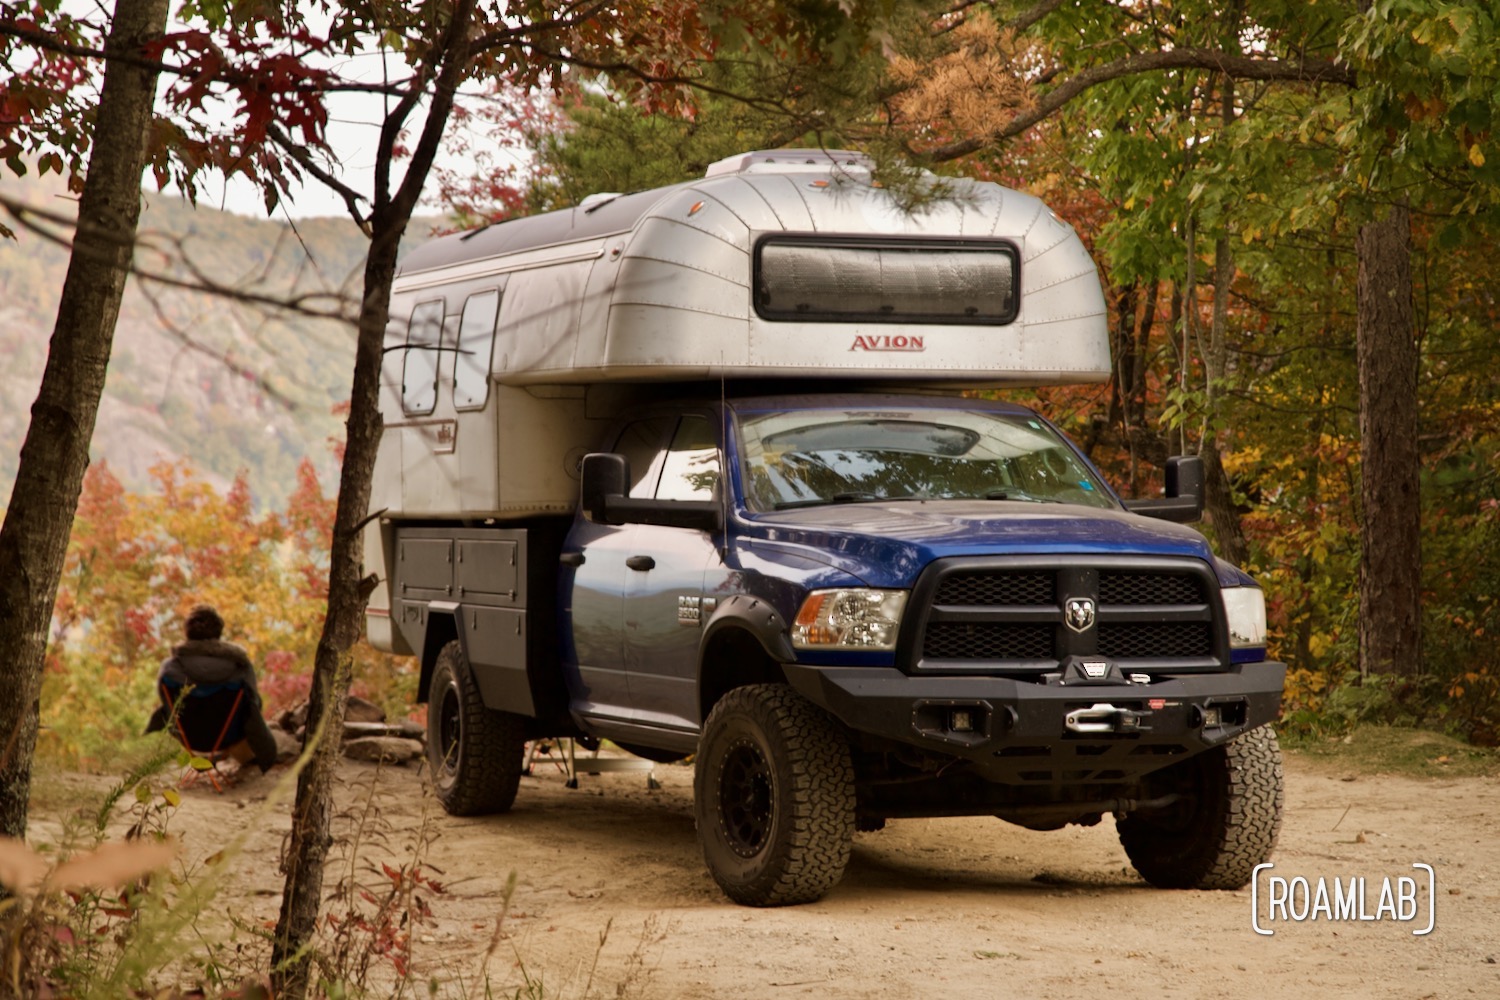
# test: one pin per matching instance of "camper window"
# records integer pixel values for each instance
(476, 338)
(841, 279)
(419, 371)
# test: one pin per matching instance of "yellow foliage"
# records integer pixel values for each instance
(1305, 690)
(972, 89)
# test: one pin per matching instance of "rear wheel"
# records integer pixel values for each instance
(1224, 825)
(774, 797)
(475, 752)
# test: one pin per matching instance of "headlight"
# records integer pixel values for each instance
(849, 619)
(1245, 607)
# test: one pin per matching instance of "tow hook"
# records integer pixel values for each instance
(1103, 717)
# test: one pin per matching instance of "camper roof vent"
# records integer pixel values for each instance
(778, 160)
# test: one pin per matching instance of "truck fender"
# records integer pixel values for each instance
(756, 616)
(744, 642)
(442, 628)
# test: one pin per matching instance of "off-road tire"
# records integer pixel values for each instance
(475, 752)
(774, 797)
(1225, 824)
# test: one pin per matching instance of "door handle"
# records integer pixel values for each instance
(641, 562)
(571, 558)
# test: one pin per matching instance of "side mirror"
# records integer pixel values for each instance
(1184, 493)
(604, 482)
(1184, 477)
(602, 476)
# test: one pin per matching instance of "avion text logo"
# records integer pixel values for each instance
(887, 342)
(1299, 899)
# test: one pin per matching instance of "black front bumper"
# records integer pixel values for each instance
(1031, 733)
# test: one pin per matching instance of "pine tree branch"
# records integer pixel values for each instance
(1235, 66)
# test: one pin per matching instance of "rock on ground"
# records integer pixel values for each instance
(383, 749)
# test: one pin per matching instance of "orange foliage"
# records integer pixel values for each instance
(137, 563)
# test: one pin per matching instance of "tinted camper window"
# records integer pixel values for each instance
(844, 279)
(476, 338)
(419, 371)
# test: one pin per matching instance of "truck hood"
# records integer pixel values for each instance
(886, 544)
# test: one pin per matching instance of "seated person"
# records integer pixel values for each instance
(205, 659)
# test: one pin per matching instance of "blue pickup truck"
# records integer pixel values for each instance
(850, 587)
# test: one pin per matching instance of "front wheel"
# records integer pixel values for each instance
(774, 797)
(475, 751)
(1224, 825)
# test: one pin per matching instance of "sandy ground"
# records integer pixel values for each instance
(963, 907)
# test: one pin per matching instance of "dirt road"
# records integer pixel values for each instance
(955, 907)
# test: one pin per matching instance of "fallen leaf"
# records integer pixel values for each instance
(21, 868)
(112, 865)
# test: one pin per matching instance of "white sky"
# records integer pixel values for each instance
(353, 133)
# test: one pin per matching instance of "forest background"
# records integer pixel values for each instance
(1291, 204)
(1224, 221)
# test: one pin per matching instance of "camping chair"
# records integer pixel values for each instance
(209, 720)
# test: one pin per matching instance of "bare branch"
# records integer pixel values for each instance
(632, 70)
(223, 357)
(305, 160)
(1027, 18)
(48, 42)
(514, 34)
(317, 305)
(1235, 66)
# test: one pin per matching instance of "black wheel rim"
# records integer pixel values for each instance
(745, 808)
(448, 729)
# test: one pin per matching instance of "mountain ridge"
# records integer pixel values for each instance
(219, 381)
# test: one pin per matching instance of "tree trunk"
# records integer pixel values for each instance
(312, 813)
(1390, 578)
(1222, 513)
(1219, 504)
(34, 537)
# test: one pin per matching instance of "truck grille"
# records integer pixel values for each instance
(957, 641)
(1011, 616)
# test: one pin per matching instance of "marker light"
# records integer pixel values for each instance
(849, 619)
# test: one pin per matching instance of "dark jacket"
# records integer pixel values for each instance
(210, 661)
(206, 661)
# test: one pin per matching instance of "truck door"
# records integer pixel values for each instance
(595, 599)
(665, 584)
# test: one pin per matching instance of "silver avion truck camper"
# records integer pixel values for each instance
(697, 470)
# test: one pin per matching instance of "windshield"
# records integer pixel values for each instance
(794, 458)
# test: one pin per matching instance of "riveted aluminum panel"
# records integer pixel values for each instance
(648, 280)
(539, 317)
(496, 642)
(488, 571)
(424, 568)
